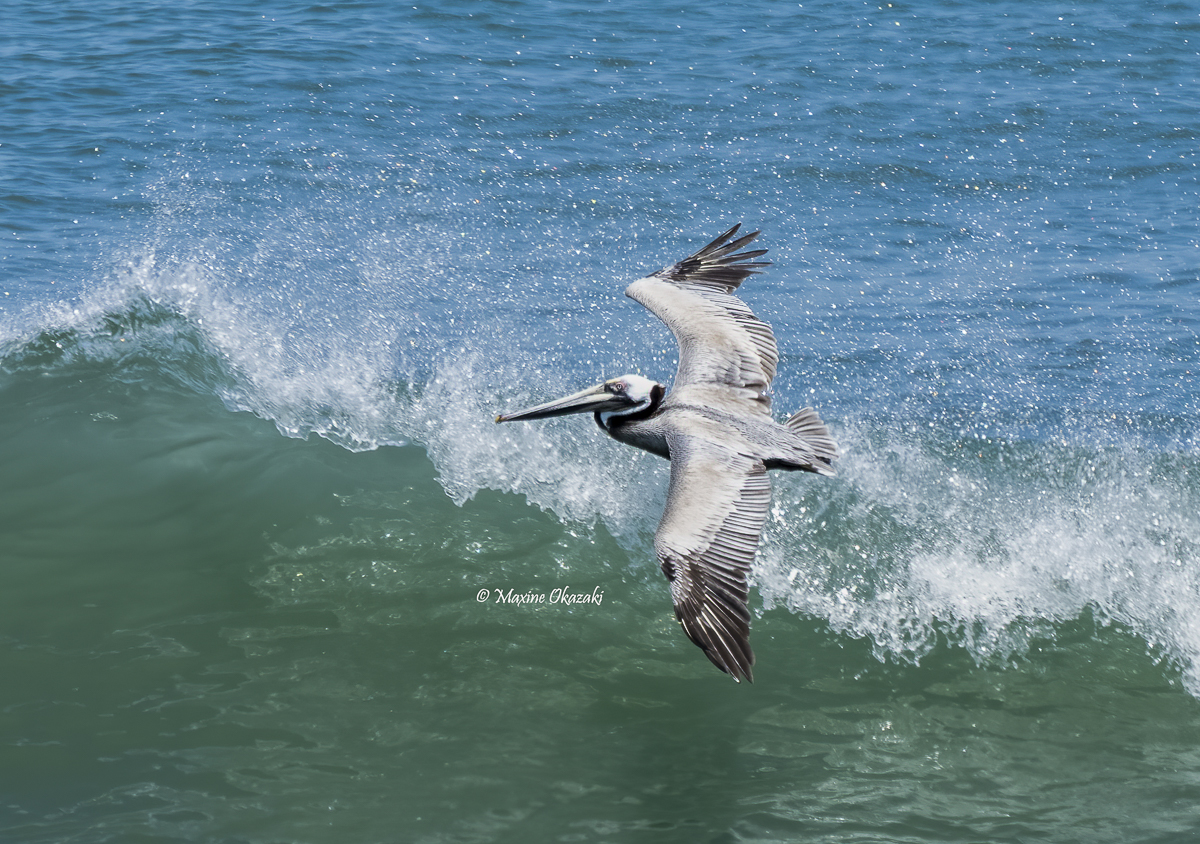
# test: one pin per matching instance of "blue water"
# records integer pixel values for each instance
(269, 271)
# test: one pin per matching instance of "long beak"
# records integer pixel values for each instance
(593, 399)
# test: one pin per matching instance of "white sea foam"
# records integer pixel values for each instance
(567, 466)
(991, 545)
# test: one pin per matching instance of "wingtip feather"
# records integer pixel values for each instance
(713, 265)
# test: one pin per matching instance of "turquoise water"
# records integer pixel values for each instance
(268, 273)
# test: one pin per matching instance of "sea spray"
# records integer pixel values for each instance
(989, 545)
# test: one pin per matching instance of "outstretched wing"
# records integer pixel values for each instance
(722, 344)
(717, 503)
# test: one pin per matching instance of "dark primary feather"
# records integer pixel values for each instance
(714, 266)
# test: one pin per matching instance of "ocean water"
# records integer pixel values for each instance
(269, 270)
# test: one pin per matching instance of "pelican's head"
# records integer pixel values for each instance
(616, 397)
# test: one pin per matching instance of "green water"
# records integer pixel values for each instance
(214, 633)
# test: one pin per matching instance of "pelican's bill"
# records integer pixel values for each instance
(592, 400)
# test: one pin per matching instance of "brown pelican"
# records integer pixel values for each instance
(716, 429)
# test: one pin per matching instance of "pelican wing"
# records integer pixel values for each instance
(722, 344)
(717, 503)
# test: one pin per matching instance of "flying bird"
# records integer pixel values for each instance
(716, 428)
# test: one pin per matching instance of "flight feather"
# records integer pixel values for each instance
(717, 503)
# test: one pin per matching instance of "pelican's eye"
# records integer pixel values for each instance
(618, 387)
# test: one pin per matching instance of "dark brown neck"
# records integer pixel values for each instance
(617, 420)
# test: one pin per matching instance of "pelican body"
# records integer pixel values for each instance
(716, 428)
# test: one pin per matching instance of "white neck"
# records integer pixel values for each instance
(608, 415)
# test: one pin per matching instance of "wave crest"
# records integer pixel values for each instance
(991, 544)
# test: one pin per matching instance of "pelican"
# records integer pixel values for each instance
(716, 429)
